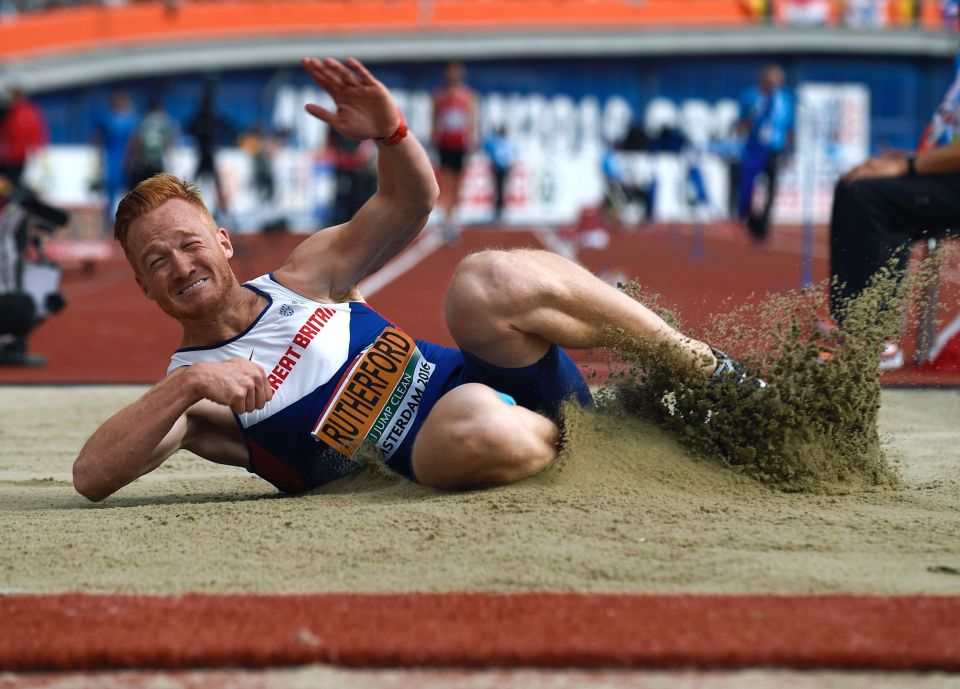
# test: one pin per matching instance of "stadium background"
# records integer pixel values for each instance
(568, 79)
(530, 54)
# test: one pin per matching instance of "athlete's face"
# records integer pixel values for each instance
(180, 259)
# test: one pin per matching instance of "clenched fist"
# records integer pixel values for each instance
(237, 383)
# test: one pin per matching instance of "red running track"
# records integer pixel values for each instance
(110, 333)
(98, 632)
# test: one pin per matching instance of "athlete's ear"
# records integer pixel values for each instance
(143, 287)
(223, 239)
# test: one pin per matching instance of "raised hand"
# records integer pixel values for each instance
(365, 109)
(236, 383)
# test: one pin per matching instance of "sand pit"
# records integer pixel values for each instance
(624, 510)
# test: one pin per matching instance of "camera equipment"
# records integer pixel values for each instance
(29, 281)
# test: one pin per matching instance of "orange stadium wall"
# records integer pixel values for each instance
(98, 27)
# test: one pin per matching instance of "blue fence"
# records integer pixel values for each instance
(904, 91)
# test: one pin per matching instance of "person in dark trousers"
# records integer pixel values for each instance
(354, 164)
(883, 205)
(766, 120)
(502, 153)
(151, 143)
(207, 129)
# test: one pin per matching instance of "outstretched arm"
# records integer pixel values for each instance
(330, 263)
(141, 436)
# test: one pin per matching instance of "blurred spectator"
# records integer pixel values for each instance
(151, 143)
(354, 164)
(502, 153)
(884, 204)
(23, 131)
(114, 130)
(260, 146)
(907, 13)
(627, 195)
(10, 8)
(949, 13)
(866, 14)
(454, 124)
(208, 128)
(766, 122)
(759, 9)
(808, 13)
(729, 149)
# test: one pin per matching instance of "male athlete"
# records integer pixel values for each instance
(289, 374)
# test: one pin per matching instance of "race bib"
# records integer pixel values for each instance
(378, 397)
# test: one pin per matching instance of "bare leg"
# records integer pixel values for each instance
(449, 199)
(450, 184)
(508, 307)
(473, 439)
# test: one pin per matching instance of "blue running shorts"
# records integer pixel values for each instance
(542, 387)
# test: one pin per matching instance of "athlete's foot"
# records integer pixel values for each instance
(727, 370)
(730, 369)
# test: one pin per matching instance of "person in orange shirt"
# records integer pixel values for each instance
(23, 130)
(454, 125)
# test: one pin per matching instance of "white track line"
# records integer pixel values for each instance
(326, 677)
(429, 242)
(786, 241)
(551, 240)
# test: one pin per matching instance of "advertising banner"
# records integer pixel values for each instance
(572, 153)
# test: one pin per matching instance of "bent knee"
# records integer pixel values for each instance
(508, 452)
(479, 441)
(481, 278)
(498, 284)
(509, 275)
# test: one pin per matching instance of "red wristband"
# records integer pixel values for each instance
(398, 135)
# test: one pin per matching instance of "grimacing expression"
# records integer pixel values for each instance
(180, 259)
